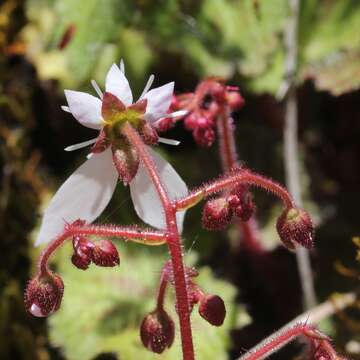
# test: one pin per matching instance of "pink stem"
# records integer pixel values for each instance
(278, 341)
(161, 293)
(231, 180)
(229, 159)
(131, 233)
(173, 241)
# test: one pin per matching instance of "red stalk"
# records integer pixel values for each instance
(237, 177)
(229, 159)
(128, 233)
(173, 241)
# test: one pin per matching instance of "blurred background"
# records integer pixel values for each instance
(49, 45)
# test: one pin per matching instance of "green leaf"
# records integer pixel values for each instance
(103, 308)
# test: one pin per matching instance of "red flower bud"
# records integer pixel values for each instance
(212, 309)
(295, 227)
(217, 214)
(105, 254)
(83, 251)
(204, 137)
(203, 123)
(157, 331)
(43, 295)
(246, 207)
(190, 122)
(80, 262)
(126, 161)
(235, 100)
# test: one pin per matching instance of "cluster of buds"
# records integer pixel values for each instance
(220, 211)
(43, 294)
(295, 227)
(203, 108)
(157, 329)
(101, 253)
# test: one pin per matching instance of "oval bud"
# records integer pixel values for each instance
(295, 227)
(235, 100)
(217, 214)
(80, 262)
(212, 309)
(157, 331)
(82, 252)
(126, 161)
(105, 254)
(204, 137)
(43, 295)
(190, 122)
(246, 207)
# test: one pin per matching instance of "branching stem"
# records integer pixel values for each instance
(173, 241)
(235, 178)
(148, 237)
(229, 159)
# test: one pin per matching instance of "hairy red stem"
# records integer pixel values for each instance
(173, 241)
(127, 233)
(229, 159)
(231, 180)
(263, 350)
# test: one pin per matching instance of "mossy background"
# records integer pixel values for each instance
(181, 40)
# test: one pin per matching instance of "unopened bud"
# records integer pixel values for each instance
(126, 161)
(190, 122)
(157, 331)
(105, 254)
(216, 214)
(246, 207)
(204, 137)
(82, 252)
(212, 309)
(43, 294)
(295, 227)
(235, 100)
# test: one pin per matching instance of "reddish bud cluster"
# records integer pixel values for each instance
(43, 294)
(219, 212)
(295, 228)
(204, 106)
(157, 331)
(102, 253)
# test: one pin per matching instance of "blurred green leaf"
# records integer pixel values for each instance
(103, 308)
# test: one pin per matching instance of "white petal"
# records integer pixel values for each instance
(147, 86)
(159, 100)
(81, 145)
(85, 108)
(117, 84)
(97, 88)
(83, 195)
(65, 108)
(168, 141)
(145, 198)
(122, 66)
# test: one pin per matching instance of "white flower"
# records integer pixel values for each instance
(86, 193)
